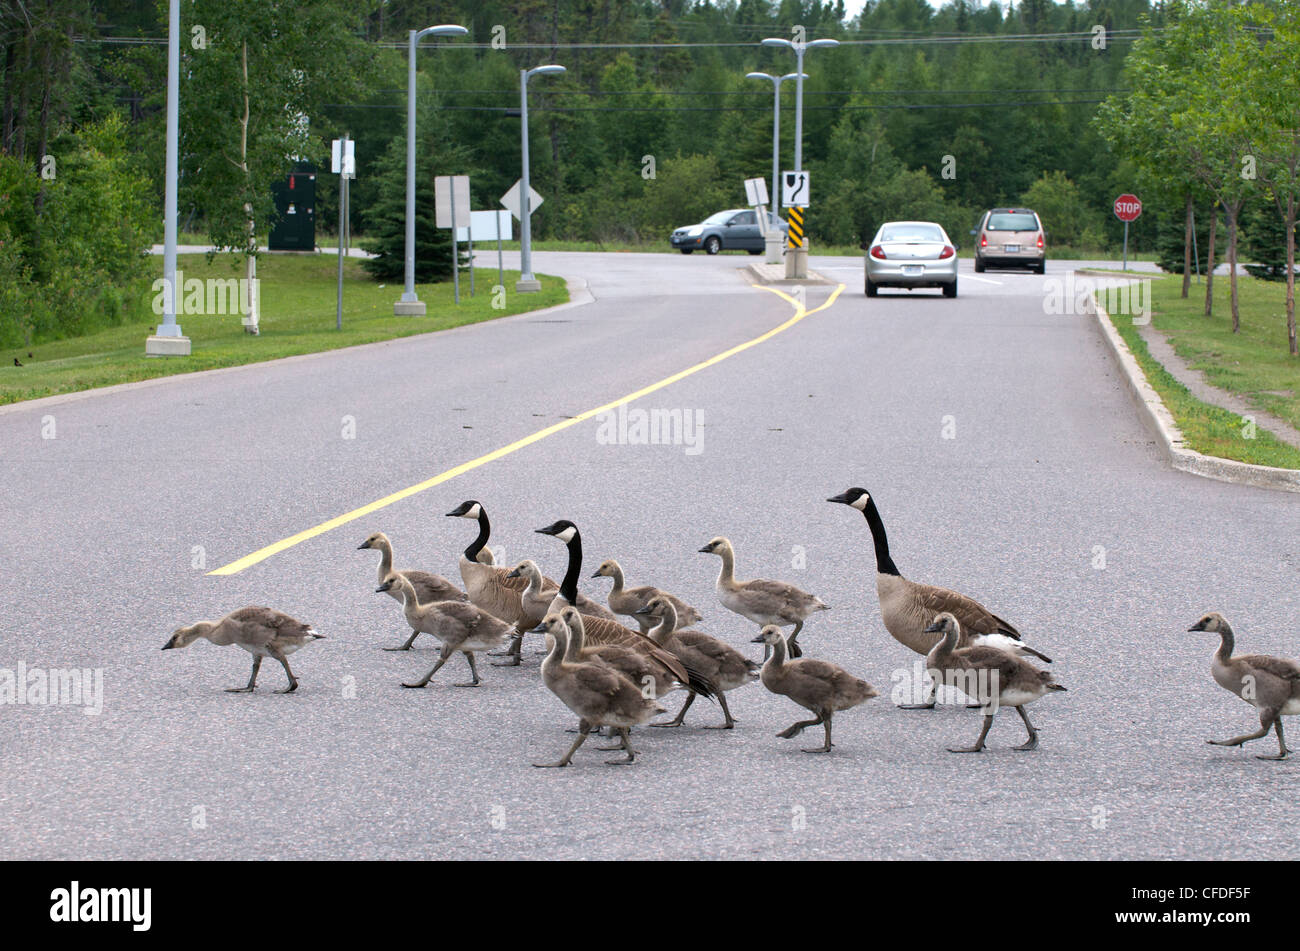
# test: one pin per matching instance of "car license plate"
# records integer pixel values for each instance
(1011, 248)
(912, 270)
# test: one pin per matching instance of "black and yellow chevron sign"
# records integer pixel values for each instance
(795, 234)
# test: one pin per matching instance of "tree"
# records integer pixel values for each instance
(254, 73)
(388, 217)
(1061, 208)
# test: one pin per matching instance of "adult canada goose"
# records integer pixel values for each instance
(600, 630)
(491, 587)
(762, 601)
(263, 632)
(909, 607)
(630, 601)
(1270, 684)
(460, 625)
(727, 667)
(596, 692)
(538, 597)
(815, 685)
(428, 586)
(992, 676)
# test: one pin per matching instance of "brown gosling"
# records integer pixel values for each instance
(815, 685)
(428, 586)
(596, 692)
(630, 601)
(761, 600)
(1270, 684)
(459, 625)
(723, 664)
(538, 596)
(990, 675)
(263, 632)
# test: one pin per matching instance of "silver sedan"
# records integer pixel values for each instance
(911, 254)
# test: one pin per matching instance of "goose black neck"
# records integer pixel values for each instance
(884, 564)
(569, 586)
(484, 530)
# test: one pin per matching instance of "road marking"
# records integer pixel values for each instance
(972, 277)
(286, 543)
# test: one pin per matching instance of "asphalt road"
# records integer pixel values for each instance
(1049, 471)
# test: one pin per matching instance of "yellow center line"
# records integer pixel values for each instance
(285, 543)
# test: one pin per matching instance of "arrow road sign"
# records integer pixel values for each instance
(795, 188)
(511, 200)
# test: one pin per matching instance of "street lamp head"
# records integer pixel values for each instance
(794, 76)
(767, 76)
(446, 29)
(820, 44)
(777, 41)
(550, 69)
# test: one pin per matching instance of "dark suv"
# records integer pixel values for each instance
(1010, 237)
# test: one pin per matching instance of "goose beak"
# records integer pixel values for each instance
(934, 628)
(539, 629)
(170, 643)
(513, 574)
(1196, 627)
(842, 498)
(644, 610)
(386, 586)
(363, 546)
(706, 550)
(595, 574)
(553, 529)
(757, 640)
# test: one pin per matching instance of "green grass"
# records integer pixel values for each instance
(1208, 429)
(298, 296)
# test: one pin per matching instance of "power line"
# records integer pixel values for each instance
(855, 108)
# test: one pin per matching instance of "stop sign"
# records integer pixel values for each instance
(1128, 207)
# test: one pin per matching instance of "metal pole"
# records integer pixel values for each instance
(343, 184)
(169, 327)
(776, 151)
(798, 109)
(455, 251)
(408, 292)
(526, 279)
(1125, 266)
(469, 233)
(501, 276)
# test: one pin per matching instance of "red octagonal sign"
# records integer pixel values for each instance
(1128, 207)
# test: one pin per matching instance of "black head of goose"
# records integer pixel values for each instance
(489, 586)
(1270, 684)
(909, 607)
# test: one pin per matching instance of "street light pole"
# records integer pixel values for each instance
(410, 305)
(167, 340)
(527, 283)
(799, 49)
(776, 137)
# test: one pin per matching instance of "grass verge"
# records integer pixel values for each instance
(298, 297)
(1207, 429)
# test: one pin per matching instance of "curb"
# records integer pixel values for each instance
(579, 295)
(1161, 422)
(813, 278)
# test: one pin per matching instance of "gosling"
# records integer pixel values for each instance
(815, 685)
(459, 625)
(1270, 684)
(263, 632)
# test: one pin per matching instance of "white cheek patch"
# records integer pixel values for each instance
(860, 503)
(474, 511)
(566, 536)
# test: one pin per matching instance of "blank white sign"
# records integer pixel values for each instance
(442, 199)
(485, 225)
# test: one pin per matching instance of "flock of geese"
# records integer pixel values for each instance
(612, 675)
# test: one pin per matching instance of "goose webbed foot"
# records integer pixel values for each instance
(826, 747)
(916, 706)
(681, 714)
(1029, 744)
(512, 660)
(1273, 756)
(245, 689)
(289, 689)
(625, 745)
(979, 744)
(252, 679)
(966, 749)
(473, 669)
(407, 646)
(583, 729)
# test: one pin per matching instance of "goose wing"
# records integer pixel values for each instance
(431, 587)
(1279, 667)
(973, 617)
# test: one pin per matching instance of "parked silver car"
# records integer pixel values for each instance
(733, 230)
(911, 254)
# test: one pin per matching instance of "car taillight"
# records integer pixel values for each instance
(1040, 242)
(878, 252)
(984, 241)
(947, 252)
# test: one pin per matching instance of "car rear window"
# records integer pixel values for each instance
(921, 232)
(1012, 221)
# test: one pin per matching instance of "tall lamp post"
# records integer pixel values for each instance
(799, 49)
(167, 340)
(527, 283)
(409, 305)
(776, 136)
